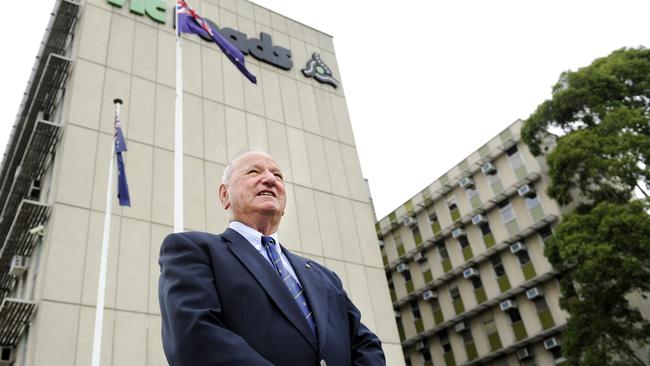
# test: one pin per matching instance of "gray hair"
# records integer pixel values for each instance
(228, 170)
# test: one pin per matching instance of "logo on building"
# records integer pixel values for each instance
(155, 9)
(262, 48)
(317, 69)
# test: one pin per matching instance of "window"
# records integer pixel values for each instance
(426, 355)
(471, 193)
(424, 263)
(515, 157)
(541, 304)
(463, 242)
(389, 277)
(485, 228)
(493, 177)
(523, 257)
(476, 282)
(454, 293)
(532, 201)
(514, 315)
(399, 246)
(444, 341)
(453, 209)
(545, 233)
(556, 352)
(505, 208)
(500, 362)
(435, 224)
(435, 305)
(417, 237)
(415, 310)
(499, 270)
(528, 362)
(407, 275)
(442, 251)
(489, 325)
(467, 337)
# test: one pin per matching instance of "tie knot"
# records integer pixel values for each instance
(267, 240)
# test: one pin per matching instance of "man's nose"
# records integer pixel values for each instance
(268, 177)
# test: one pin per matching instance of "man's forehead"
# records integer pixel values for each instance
(256, 158)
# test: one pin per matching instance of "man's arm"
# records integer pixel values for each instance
(366, 347)
(192, 329)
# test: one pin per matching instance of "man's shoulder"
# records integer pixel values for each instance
(197, 238)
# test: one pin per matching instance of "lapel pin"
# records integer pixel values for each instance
(308, 265)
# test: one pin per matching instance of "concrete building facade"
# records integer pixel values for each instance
(54, 173)
(465, 263)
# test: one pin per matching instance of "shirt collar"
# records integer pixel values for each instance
(253, 236)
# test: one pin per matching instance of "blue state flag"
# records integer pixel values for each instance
(190, 22)
(120, 147)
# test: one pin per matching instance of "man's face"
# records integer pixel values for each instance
(255, 190)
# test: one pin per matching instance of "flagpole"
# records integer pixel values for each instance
(101, 286)
(178, 134)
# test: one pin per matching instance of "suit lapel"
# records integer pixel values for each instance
(317, 296)
(270, 281)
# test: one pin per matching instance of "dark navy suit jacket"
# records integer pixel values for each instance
(222, 303)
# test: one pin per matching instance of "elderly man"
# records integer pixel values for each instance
(240, 298)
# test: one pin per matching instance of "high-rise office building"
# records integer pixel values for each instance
(54, 173)
(465, 262)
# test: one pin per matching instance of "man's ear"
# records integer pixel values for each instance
(223, 197)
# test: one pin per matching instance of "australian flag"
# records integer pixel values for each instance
(190, 22)
(120, 147)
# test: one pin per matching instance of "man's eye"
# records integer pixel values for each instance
(252, 171)
(279, 176)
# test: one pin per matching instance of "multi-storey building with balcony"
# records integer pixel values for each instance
(465, 263)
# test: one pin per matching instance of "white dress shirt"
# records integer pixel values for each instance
(255, 238)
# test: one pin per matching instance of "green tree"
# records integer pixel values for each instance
(603, 246)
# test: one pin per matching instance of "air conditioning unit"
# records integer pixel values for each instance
(7, 356)
(18, 265)
(420, 346)
(507, 305)
(524, 353)
(402, 267)
(466, 182)
(551, 343)
(534, 293)
(398, 314)
(489, 168)
(460, 327)
(470, 272)
(381, 243)
(479, 219)
(420, 257)
(458, 232)
(526, 191)
(410, 221)
(429, 295)
(517, 247)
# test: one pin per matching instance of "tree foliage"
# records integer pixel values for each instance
(603, 247)
(608, 249)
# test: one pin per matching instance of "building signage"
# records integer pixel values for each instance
(155, 9)
(317, 69)
(261, 48)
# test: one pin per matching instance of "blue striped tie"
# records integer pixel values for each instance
(292, 284)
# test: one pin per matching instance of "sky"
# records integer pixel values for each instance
(426, 82)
